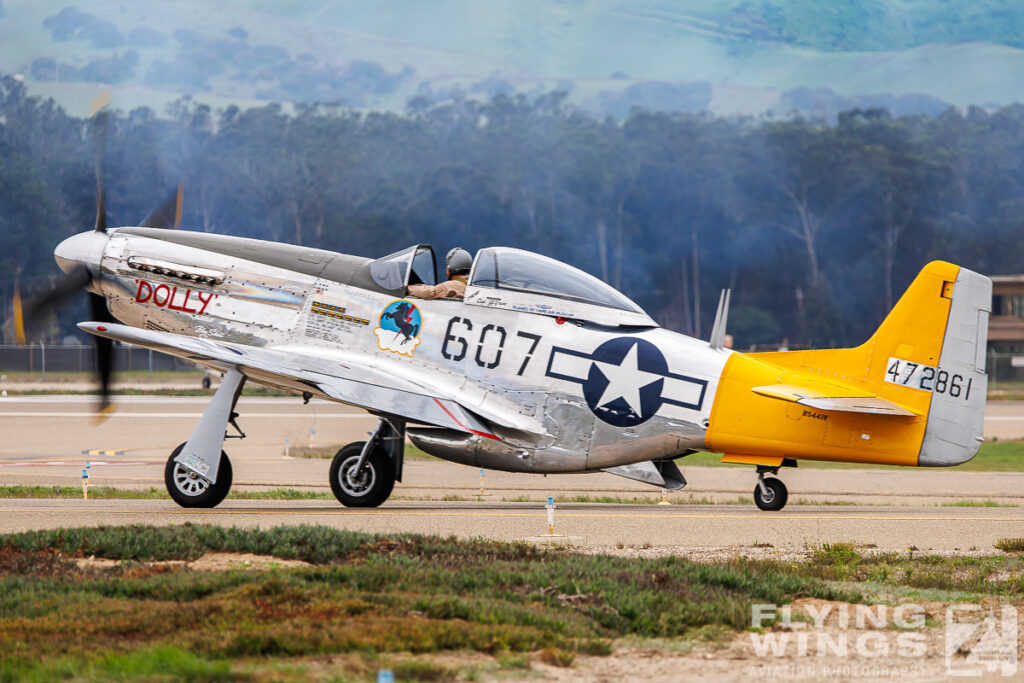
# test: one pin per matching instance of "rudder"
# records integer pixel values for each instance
(956, 416)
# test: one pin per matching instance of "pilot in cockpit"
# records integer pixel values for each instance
(458, 263)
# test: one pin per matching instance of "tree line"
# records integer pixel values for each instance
(817, 227)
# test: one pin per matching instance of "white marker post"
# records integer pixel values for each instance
(664, 498)
(551, 515)
(287, 452)
(312, 436)
(481, 483)
(85, 484)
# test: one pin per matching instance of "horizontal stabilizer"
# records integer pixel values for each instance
(872, 405)
(834, 397)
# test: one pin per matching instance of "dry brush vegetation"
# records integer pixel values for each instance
(368, 601)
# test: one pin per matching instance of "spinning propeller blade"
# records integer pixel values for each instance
(80, 275)
(19, 318)
(104, 349)
(168, 213)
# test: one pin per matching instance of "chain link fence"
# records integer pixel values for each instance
(1004, 366)
(43, 358)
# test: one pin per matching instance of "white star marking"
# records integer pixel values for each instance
(625, 380)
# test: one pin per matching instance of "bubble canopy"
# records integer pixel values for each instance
(516, 270)
(410, 266)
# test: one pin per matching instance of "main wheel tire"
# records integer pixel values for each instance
(368, 488)
(189, 490)
(775, 498)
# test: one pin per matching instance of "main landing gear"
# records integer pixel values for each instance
(198, 472)
(770, 494)
(363, 473)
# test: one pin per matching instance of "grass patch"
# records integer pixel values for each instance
(997, 456)
(976, 504)
(619, 500)
(514, 661)
(104, 492)
(557, 657)
(844, 563)
(370, 599)
(417, 670)
(152, 493)
(1010, 545)
(368, 595)
(994, 456)
(164, 662)
(1010, 390)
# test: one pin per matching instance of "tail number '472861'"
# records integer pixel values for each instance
(927, 378)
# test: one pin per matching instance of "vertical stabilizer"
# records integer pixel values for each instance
(956, 417)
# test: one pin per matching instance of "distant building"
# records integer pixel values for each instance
(1006, 324)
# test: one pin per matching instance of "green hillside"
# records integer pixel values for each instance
(606, 53)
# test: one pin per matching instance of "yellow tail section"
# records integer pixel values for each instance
(912, 394)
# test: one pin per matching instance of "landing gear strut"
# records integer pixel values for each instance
(770, 494)
(363, 473)
(198, 472)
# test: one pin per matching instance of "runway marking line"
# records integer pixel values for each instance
(532, 514)
(79, 463)
(106, 452)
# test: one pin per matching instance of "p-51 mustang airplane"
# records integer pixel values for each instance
(542, 368)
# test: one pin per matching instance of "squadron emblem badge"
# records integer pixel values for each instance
(399, 328)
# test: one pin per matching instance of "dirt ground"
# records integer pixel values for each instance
(210, 562)
(825, 640)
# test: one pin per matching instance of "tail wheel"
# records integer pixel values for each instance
(366, 488)
(774, 495)
(189, 490)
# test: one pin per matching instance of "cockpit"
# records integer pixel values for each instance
(518, 280)
(413, 266)
(515, 270)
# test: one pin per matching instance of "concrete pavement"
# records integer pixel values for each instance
(47, 439)
(582, 525)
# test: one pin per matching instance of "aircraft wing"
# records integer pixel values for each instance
(828, 396)
(356, 384)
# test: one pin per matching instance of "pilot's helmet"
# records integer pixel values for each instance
(458, 262)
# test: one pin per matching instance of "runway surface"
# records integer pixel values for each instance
(47, 439)
(587, 525)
